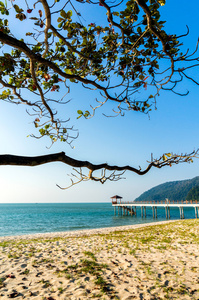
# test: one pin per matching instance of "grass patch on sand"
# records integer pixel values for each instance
(184, 229)
(85, 267)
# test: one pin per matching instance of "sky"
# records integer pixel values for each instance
(131, 139)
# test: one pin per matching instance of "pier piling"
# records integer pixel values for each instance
(166, 212)
(145, 211)
(125, 208)
(196, 213)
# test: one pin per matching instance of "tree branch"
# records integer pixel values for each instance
(167, 159)
(13, 42)
(47, 27)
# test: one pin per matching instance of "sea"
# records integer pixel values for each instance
(20, 219)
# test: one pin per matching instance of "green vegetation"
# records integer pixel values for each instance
(25, 272)
(193, 194)
(60, 289)
(46, 283)
(174, 191)
(2, 283)
(90, 254)
(13, 255)
(122, 50)
(87, 266)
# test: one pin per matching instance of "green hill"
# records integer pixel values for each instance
(193, 194)
(174, 190)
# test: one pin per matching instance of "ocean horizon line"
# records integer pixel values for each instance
(53, 202)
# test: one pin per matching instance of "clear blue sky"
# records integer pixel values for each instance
(173, 127)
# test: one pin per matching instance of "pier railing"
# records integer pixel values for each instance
(158, 202)
(130, 207)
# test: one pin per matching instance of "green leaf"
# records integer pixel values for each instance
(162, 2)
(60, 20)
(168, 154)
(17, 9)
(69, 14)
(86, 114)
(68, 71)
(73, 42)
(164, 157)
(80, 112)
(63, 14)
(116, 13)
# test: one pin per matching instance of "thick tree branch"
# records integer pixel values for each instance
(158, 34)
(32, 71)
(47, 27)
(167, 159)
(13, 42)
(7, 159)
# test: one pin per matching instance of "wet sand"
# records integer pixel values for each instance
(147, 261)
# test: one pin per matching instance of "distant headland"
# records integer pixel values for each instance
(173, 190)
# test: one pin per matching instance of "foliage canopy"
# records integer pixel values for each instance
(125, 53)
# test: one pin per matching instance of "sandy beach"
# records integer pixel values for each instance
(148, 261)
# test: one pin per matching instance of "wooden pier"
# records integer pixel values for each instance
(125, 208)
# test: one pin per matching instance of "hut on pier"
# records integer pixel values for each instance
(115, 198)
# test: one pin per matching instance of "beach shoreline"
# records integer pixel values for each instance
(151, 261)
(83, 232)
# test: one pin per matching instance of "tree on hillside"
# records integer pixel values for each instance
(193, 194)
(126, 53)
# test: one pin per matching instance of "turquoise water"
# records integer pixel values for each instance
(19, 219)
